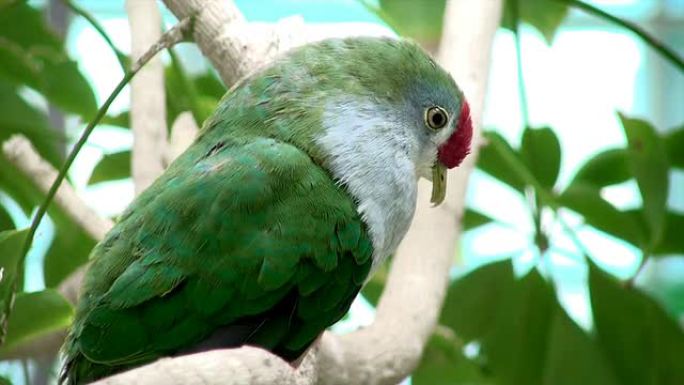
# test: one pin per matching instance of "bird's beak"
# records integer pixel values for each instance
(439, 183)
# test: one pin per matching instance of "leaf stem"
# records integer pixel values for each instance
(666, 52)
(515, 13)
(25, 371)
(187, 84)
(120, 56)
(168, 39)
(573, 236)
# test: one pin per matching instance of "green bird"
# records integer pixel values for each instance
(265, 229)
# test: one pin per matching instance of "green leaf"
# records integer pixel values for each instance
(11, 244)
(6, 222)
(541, 152)
(672, 241)
(18, 66)
(443, 363)
(604, 169)
(642, 343)
(65, 86)
(473, 301)
(647, 159)
(25, 26)
(5, 381)
(675, 146)
(122, 120)
(586, 200)
(69, 250)
(544, 15)
(517, 345)
(208, 84)
(497, 158)
(419, 20)
(112, 167)
(35, 314)
(573, 357)
(473, 218)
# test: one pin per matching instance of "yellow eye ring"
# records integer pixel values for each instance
(436, 117)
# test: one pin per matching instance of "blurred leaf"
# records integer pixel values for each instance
(473, 301)
(675, 146)
(18, 117)
(496, 159)
(5, 381)
(541, 152)
(663, 280)
(544, 15)
(65, 86)
(111, 167)
(11, 243)
(18, 66)
(647, 159)
(573, 356)
(25, 26)
(604, 169)
(518, 342)
(120, 120)
(69, 250)
(586, 200)
(473, 219)
(443, 363)
(6, 222)
(31, 54)
(35, 314)
(208, 84)
(643, 344)
(525, 336)
(672, 241)
(419, 20)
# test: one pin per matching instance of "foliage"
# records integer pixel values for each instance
(496, 327)
(514, 328)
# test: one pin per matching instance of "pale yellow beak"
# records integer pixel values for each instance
(439, 183)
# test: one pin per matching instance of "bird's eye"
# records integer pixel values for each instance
(436, 117)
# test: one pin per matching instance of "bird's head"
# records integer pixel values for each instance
(376, 104)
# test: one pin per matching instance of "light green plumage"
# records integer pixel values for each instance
(246, 233)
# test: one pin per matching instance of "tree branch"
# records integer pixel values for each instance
(20, 152)
(233, 46)
(148, 97)
(390, 348)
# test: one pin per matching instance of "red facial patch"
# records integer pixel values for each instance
(455, 149)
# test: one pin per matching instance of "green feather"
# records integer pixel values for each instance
(246, 233)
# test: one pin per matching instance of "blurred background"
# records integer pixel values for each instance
(579, 191)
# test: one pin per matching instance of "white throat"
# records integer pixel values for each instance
(375, 167)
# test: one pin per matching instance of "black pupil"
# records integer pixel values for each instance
(437, 118)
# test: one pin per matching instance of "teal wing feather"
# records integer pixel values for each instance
(248, 242)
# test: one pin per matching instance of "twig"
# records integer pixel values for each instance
(42, 209)
(389, 349)
(231, 44)
(20, 152)
(120, 56)
(646, 37)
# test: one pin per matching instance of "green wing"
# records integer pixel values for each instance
(249, 242)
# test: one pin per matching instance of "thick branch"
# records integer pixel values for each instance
(21, 153)
(391, 347)
(233, 46)
(244, 366)
(148, 104)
